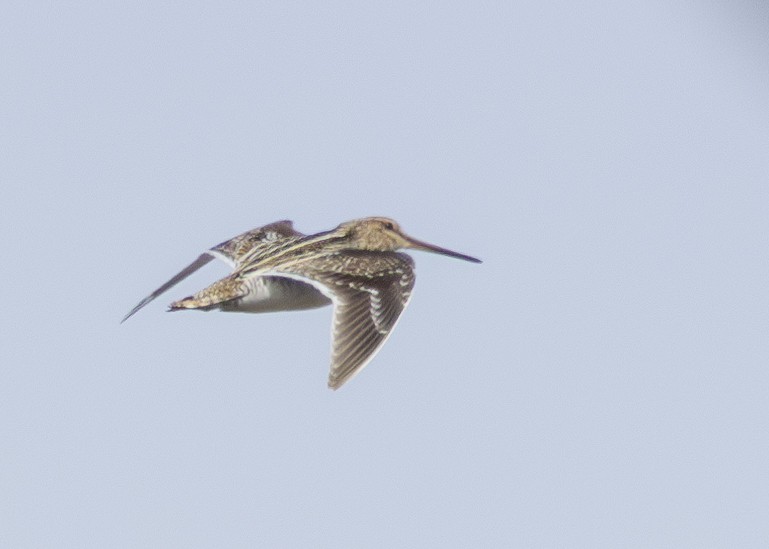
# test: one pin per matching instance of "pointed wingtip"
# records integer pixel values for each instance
(129, 315)
(138, 307)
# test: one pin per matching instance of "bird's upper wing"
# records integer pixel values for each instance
(202, 260)
(255, 243)
(370, 290)
(233, 252)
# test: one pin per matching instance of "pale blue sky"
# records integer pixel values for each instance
(600, 380)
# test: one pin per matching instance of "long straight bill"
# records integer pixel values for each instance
(424, 246)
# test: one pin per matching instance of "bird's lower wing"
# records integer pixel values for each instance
(367, 305)
(363, 321)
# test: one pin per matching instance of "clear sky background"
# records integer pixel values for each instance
(601, 380)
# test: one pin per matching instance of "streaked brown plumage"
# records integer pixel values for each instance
(354, 266)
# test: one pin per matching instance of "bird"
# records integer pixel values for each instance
(356, 267)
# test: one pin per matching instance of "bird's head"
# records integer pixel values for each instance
(385, 235)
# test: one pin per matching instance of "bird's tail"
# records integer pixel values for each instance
(212, 297)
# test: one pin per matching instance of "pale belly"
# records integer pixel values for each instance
(271, 294)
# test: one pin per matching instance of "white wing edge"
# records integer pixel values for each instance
(325, 291)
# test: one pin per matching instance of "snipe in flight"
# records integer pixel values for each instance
(354, 266)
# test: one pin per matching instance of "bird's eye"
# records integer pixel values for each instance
(389, 226)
